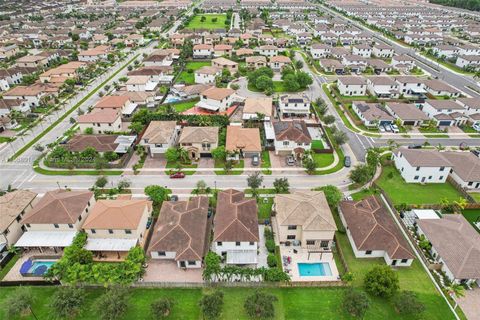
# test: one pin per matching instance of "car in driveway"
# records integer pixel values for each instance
(290, 160)
(347, 161)
(255, 161)
(177, 175)
(395, 128)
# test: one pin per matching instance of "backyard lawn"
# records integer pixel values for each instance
(317, 144)
(184, 106)
(209, 22)
(187, 76)
(264, 208)
(414, 193)
(472, 215)
(475, 196)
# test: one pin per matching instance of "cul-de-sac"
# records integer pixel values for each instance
(240, 159)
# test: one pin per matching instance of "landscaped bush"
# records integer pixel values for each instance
(67, 301)
(355, 303)
(260, 305)
(271, 260)
(407, 303)
(211, 305)
(381, 281)
(270, 245)
(161, 308)
(112, 304)
(60, 157)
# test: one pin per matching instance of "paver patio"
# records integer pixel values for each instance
(167, 271)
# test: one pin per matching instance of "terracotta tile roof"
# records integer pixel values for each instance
(12, 204)
(260, 105)
(159, 131)
(280, 59)
(199, 135)
(292, 131)
(308, 209)
(100, 142)
(112, 102)
(99, 116)
(58, 206)
(117, 214)
(245, 139)
(372, 228)
(235, 218)
(182, 228)
(218, 93)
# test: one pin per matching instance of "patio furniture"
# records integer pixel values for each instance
(25, 267)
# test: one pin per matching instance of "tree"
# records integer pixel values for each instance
(361, 174)
(263, 83)
(72, 120)
(310, 165)
(407, 303)
(219, 153)
(66, 301)
(281, 185)
(322, 108)
(260, 305)
(75, 37)
(101, 182)
(298, 64)
(123, 184)
(112, 304)
(271, 260)
(254, 181)
(355, 303)
(111, 156)
(156, 193)
(456, 290)
(18, 302)
(211, 304)
(172, 155)
(201, 188)
(381, 281)
(136, 127)
(39, 148)
(339, 137)
(161, 308)
(328, 119)
(290, 83)
(304, 79)
(333, 195)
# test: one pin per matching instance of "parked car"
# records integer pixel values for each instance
(388, 128)
(177, 175)
(381, 128)
(415, 146)
(255, 161)
(463, 146)
(347, 162)
(395, 128)
(475, 152)
(476, 127)
(173, 198)
(290, 161)
(348, 198)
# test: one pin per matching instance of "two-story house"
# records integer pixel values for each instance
(199, 141)
(159, 136)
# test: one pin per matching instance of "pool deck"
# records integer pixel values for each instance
(302, 256)
(14, 273)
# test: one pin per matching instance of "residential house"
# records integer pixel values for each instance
(291, 137)
(256, 62)
(403, 62)
(223, 63)
(445, 112)
(468, 62)
(439, 88)
(303, 218)
(277, 63)
(407, 113)
(55, 219)
(362, 50)
(294, 105)
(115, 226)
(140, 84)
(30, 96)
(320, 50)
(371, 114)
(202, 51)
(455, 246)
(235, 228)
(159, 136)
(352, 86)
(421, 166)
(222, 50)
(373, 232)
(268, 50)
(216, 99)
(258, 106)
(243, 142)
(101, 121)
(382, 87)
(332, 65)
(182, 232)
(384, 51)
(159, 58)
(15, 205)
(207, 74)
(199, 141)
(411, 86)
(94, 55)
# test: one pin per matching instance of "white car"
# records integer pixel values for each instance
(476, 127)
(395, 128)
(381, 128)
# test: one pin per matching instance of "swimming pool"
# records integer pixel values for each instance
(318, 269)
(170, 99)
(36, 267)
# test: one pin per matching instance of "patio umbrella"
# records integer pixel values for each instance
(40, 271)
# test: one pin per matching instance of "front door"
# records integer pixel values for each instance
(423, 179)
(183, 264)
(394, 262)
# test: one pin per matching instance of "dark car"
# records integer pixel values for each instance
(173, 198)
(177, 175)
(414, 146)
(347, 162)
(464, 146)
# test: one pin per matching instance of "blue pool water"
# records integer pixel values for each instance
(39, 265)
(170, 99)
(314, 269)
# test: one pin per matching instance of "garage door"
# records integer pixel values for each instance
(384, 122)
(444, 123)
(409, 123)
(205, 155)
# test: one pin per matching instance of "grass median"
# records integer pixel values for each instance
(66, 114)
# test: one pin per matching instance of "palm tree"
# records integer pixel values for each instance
(183, 155)
(455, 290)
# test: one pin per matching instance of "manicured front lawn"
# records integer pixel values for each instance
(188, 169)
(472, 216)
(414, 193)
(266, 164)
(323, 159)
(188, 74)
(196, 22)
(221, 164)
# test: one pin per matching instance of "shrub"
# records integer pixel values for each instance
(270, 245)
(67, 301)
(112, 304)
(260, 305)
(355, 303)
(101, 182)
(161, 308)
(211, 304)
(271, 260)
(381, 281)
(407, 303)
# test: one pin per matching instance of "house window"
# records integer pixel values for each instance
(128, 231)
(291, 237)
(93, 231)
(285, 143)
(418, 169)
(110, 231)
(161, 253)
(70, 226)
(404, 260)
(368, 252)
(80, 218)
(237, 243)
(251, 243)
(415, 178)
(219, 243)
(6, 231)
(292, 227)
(324, 243)
(442, 168)
(191, 263)
(441, 177)
(310, 242)
(55, 225)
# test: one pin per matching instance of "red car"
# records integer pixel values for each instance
(177, 175)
